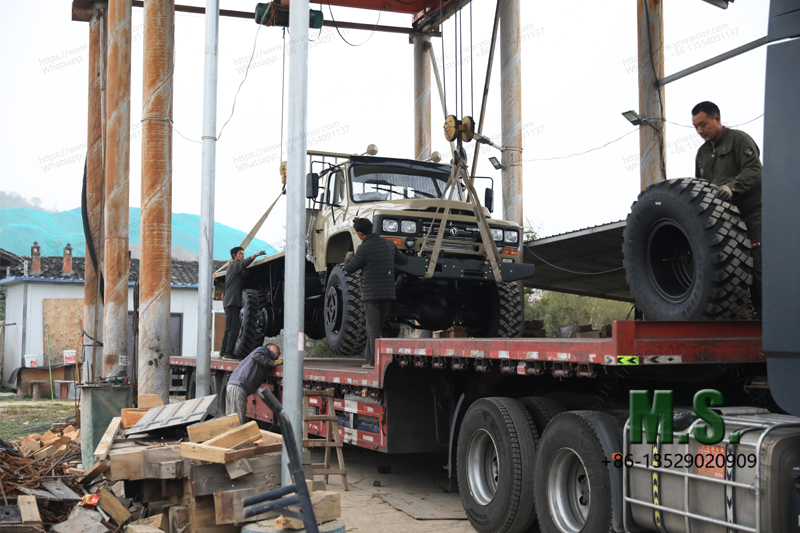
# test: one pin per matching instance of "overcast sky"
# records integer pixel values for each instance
(579, 73)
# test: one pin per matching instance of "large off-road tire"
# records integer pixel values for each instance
(251, 329)
(572, 486)
(345, 316)
(686, 253)
(495, 460)
(500, 312)
(191, 387)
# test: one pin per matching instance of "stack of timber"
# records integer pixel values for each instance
(534, 329)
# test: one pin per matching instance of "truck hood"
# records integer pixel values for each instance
(427, 207)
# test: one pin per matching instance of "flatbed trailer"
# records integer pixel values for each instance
(422, 392)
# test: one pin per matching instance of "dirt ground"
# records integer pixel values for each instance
(415, 482)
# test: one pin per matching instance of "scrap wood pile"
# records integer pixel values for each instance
(189, 479)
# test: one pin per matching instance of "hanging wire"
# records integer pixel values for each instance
(577, 272)
(455, 54)
(461, 52)
(246, 72)
(444, 72)
(283, 87)
(348, 42)
(471, 69)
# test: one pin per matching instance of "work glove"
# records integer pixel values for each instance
(262, 252)
(278, 362)
(724, 192)
(348, 257)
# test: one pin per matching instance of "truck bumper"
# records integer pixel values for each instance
(465, 269)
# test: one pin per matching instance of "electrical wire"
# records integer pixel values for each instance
(692, 127)
(471, 69)
(444, 74)
(574, 271)
(348, 42)
(246, 72)
(582, 153)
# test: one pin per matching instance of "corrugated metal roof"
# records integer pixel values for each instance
(174, 415)
(587, 262)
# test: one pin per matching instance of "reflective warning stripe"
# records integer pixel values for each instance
(658, 521)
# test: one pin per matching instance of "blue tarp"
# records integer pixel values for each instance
(20, 227)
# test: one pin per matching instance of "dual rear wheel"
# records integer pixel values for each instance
(527, 465)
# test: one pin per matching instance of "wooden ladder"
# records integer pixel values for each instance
(332, 439)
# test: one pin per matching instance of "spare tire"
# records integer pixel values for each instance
(686, 253)
(345, 313)
(252, 323)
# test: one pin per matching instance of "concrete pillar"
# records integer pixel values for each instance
(652, 146)
(511, 103)
(95, 183)
(156, 261)
(118, 129)
(422, 98)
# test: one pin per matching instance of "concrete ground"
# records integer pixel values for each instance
(414, 482)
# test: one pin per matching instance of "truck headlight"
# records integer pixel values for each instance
(408, 226)
(512, 237)
(390, 226)
(497, 234)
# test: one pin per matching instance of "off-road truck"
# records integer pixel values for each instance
(401, 198)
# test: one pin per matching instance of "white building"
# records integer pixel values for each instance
(34, 320)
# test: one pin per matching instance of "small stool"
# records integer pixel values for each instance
(63, 388)
(36, 389)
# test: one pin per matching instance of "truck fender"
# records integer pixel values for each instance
(610, 434)
(464, 401)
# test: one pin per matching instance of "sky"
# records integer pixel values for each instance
(579, 74)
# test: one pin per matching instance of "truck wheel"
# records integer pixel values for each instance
(503, 317)
(251, 330)
(496, 451)
(345, 317)
(191, 389)
(571, 485)
(542, 410)
(686, 253)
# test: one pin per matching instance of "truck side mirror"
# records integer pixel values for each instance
(312, 185)
(488, 200)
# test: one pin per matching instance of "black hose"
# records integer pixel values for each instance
(87, 232)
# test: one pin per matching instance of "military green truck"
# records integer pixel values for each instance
(401, 197)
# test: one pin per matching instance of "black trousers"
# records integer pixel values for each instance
(377, 314)
(231, 330)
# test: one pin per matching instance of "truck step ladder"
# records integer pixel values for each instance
(332, 439)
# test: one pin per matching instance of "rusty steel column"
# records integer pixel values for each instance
(511, 103)
(156, 262)
(422, 98)
(652, 149)
(95, 177)
(118, 131)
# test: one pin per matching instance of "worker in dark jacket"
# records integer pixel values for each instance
(375, 258)
(729, 159)
(248, 377)
(232, 301)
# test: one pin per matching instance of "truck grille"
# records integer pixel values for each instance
(451, 247)
(465, 232)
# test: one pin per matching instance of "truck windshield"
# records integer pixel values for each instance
(378, 184)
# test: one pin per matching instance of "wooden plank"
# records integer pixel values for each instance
(30, 447)
(205, 480)
(131, 416)
(267, 438)
(62, 321)
(29, 511)
(201, 518)
(113, 508)
(101, 451)
(327, 506)
(45, 452)
(210, 429)
(238, 468)
(236, 437)
(100, 467)
(159, 520)
(126, 464)
(152, 459)
(60, 491)
(142, 528)
(146, 401)
(230, 509)
(178, 518)
(213, 454)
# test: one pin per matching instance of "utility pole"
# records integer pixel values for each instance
(155, 276)
(422, 97)
(511, 103)
(205, 282)
(652, 146)
(294, 337)
(117, 194)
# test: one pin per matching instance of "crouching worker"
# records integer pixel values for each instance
(248, 377)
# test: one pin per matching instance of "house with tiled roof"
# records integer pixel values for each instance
(44, 307)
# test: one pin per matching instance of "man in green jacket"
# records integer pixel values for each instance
(729, 159)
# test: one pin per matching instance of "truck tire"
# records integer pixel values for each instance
(191, 389)
(542, 410)
(251, 329)
(686, 253)
(572, 486)
(495, 460)
(503, 317)
(345, 316)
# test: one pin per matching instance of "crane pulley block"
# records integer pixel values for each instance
(453, 127)
(275, 14)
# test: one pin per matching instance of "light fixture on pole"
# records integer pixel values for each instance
(634, 118)
(496, 163)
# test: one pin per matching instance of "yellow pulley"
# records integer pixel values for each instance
(283, 172)
(454, 127)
